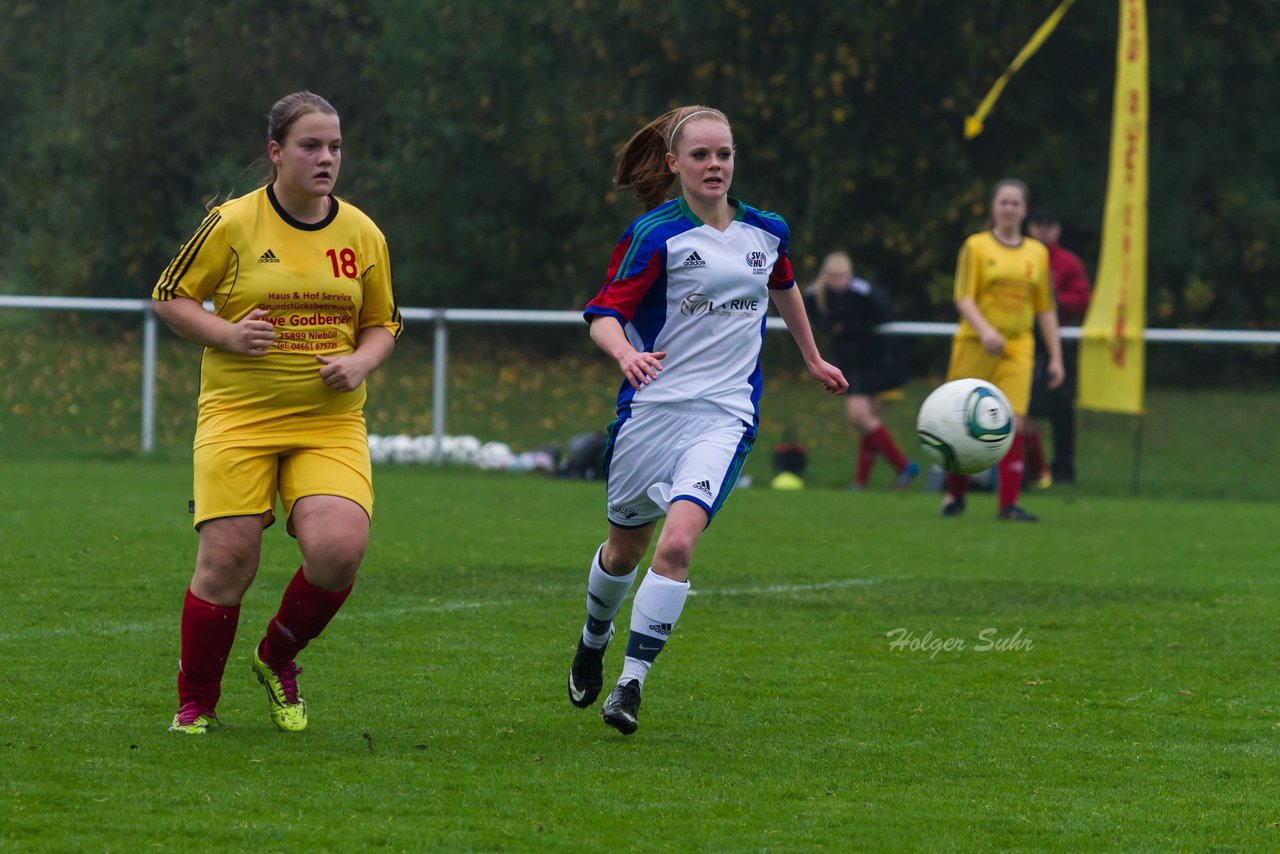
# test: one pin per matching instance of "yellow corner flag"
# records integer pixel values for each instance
(1112, 356)
(973, 123)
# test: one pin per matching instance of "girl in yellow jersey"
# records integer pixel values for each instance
(302, 311)
(1002, 287)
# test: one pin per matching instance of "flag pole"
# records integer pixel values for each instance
(1137, 453)
(974, 122)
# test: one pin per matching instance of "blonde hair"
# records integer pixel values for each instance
(819, 286)
(642, 161)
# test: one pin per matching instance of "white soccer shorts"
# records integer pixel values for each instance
(666, 452)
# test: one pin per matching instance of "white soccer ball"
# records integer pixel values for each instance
(465, 450)
(495, 455)
(966, 426)
(423, 449)
(379, 450)
(399, 448)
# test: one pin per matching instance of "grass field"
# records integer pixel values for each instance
(74, 388)
(851, 673)
(1131, 705)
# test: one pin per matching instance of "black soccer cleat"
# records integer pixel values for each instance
(1014, 513)
(586, 673)
(622, 706)
(954, 507)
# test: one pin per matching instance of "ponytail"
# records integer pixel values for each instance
(642, 162)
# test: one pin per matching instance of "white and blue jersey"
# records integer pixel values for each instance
(680, 286)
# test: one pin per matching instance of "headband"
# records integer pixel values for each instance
(671, 140)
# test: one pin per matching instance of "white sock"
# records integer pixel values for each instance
(605, 593)
(634, 668)
(657, 606)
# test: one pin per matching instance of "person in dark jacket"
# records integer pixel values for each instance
(1071, 292)
(849, 309)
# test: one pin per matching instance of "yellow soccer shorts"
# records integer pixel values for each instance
(243, 476)
(1010, 371)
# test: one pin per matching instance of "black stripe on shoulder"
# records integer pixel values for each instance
(186, 256)
(395, 305)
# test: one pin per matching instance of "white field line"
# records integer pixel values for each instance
(449, 606)
(786, 589)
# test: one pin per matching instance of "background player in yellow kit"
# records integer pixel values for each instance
(1002, 286)
(303, 311)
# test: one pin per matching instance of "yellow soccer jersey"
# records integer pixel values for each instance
(1010, 284)
(321, 283)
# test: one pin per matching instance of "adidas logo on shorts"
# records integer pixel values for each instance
(703, 486)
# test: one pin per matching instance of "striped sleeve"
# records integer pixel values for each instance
(198, 267)
(622, 293)
(966, 280)
(379, 307)
(637, 262)
(782, 276)
(1042, 288)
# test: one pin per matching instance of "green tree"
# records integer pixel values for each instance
(481, 136)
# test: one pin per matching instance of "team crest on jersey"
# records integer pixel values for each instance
(755, 260)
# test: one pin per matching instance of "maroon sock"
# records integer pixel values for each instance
(1010, 473)
(304, 612)
(866, 456)
(208, 631)
(884, 443)
(1034, 454)
(957, 485)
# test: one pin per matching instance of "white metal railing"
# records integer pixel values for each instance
(442, 317)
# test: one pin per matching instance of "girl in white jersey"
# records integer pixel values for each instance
(682, 312)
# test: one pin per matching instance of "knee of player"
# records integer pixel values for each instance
(865, 425)
(343, 555)
(230, 564)
(675, 553)
(620, 559)
(222, 583)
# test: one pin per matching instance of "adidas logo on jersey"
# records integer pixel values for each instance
(694, 260)
(268, 257)
(703, 486)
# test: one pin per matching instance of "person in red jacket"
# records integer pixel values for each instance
(1071, 292)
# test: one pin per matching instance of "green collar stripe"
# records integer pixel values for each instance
(738, 210)
(642, 228)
